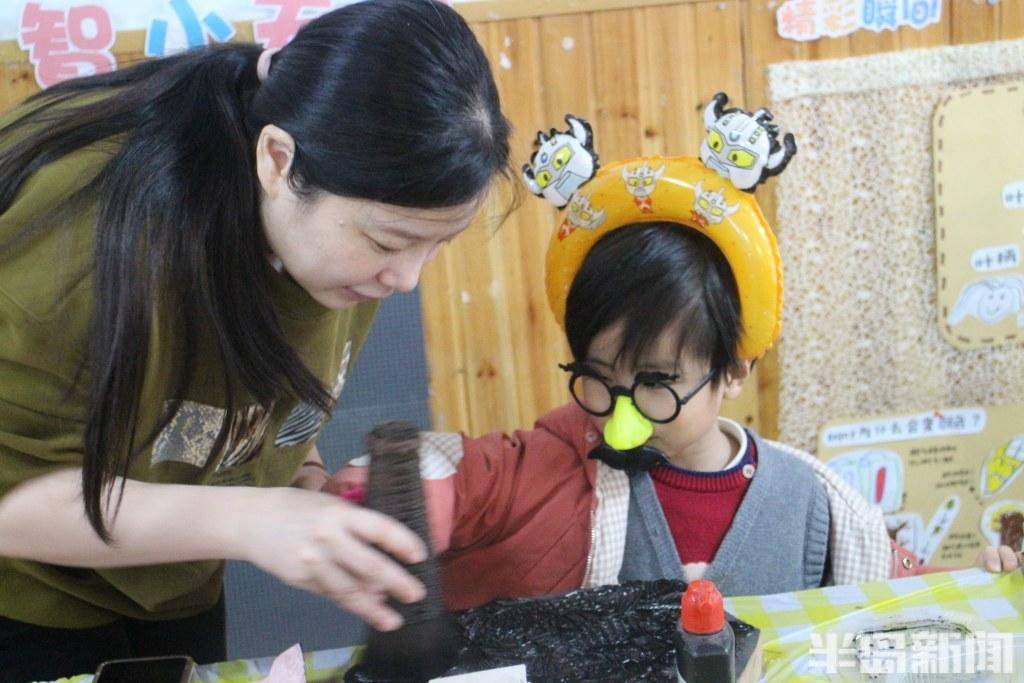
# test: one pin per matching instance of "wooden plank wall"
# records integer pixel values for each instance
(640, 76)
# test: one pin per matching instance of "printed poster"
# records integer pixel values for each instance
(948, 481)
(979, 216)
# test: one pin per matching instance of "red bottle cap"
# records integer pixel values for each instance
(702, 608)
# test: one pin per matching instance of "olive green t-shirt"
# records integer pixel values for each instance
(45, 305)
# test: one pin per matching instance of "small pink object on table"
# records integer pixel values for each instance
(288, 667)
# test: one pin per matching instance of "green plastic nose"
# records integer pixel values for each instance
(627, 429)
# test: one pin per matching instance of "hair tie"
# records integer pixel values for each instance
(263, 63)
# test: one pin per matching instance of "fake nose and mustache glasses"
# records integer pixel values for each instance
(651, 399)
(625, 439)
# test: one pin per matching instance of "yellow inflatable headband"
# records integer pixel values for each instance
(683, 190)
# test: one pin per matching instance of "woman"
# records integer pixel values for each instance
(192, 252)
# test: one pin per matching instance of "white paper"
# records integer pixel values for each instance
(952, 422)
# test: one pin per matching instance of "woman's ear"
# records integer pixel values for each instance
(736, 377)
(275, 151)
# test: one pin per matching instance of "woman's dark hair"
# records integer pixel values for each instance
(654, 277)
(387, 100)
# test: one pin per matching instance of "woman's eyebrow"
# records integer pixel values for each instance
(400, 233)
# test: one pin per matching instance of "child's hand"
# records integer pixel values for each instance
(312, 476)
(348, 483)
(1001, 559)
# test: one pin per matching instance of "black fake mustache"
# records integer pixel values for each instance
(639, 459)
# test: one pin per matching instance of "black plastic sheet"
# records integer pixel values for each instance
(611, 633)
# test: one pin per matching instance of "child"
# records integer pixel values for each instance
(667, 281)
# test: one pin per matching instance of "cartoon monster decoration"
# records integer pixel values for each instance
(581, 216)
(743, 147)
(640, 182)
(673, 189)
(711, 208)
(562, 162)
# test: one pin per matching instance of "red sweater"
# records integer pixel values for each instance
(699, 506)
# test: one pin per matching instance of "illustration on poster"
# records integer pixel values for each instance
(937, 528)
(1004, 513)
(907, 529)
(990, 300)
(876, 474)
(1002, 466)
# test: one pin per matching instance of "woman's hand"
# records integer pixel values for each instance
(1001, 559)
(325, 545)
(314, 541)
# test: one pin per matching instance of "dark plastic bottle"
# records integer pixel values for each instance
(705, 644)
